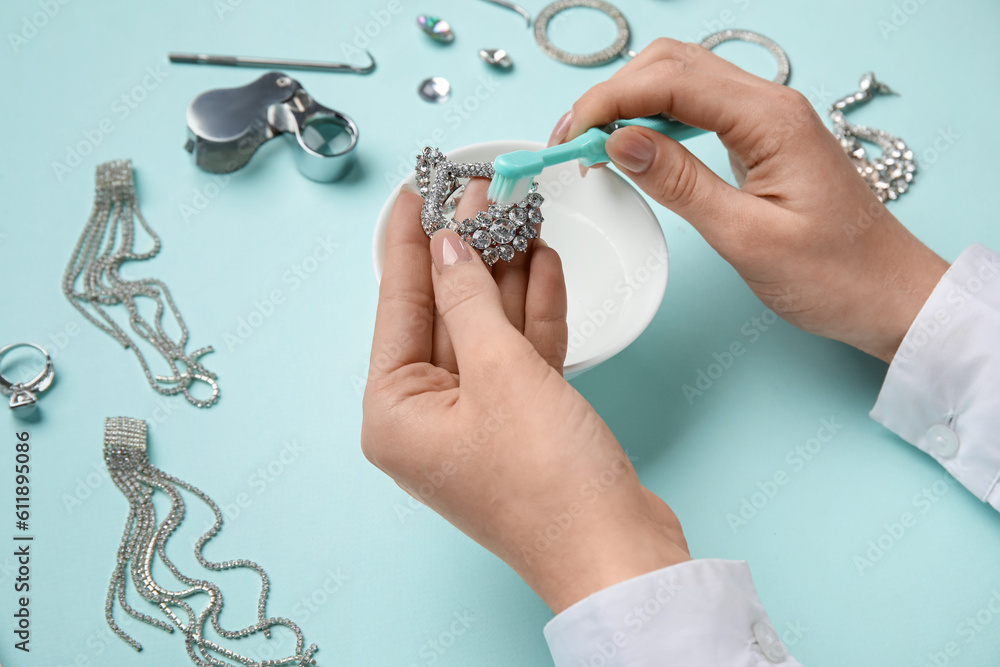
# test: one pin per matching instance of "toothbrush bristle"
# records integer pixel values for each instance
(506, 191)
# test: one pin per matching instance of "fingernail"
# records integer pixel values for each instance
(448, 249)
(561, 128)
(409, 188)
(583, 171)
(631, 150)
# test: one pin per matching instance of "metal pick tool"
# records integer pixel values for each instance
(250, 61)
(226, 126)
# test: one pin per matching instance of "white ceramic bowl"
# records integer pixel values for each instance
(612, 248)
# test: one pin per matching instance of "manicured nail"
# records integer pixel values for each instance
(562, 127)
(409, 188)
(583, 171)
(631, 151)
(448, 249)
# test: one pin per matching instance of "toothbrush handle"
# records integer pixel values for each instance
(589, 149)
(664, 125)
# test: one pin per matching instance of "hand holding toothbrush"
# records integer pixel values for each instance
(803, 230)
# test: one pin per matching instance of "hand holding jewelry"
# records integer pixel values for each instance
(465, 379)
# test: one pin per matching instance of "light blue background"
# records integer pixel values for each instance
(298, 378)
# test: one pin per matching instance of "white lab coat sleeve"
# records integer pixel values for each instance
(701, 613)
(942, 390)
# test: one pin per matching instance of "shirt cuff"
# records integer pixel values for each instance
(701, 613)
(942, 390)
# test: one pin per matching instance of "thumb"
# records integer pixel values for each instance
(671, 175)
(467, 298)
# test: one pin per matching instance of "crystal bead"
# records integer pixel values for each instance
(481, 239)
(529, 231)
(517, 215)
(902, 187)
(483, 220)
(534, 199)
(506, 253)
(497, 211)
(438, 29)
(535, 216)
(502, 232)
(496, 58)
(520, 243)
(490, 255)
(436, 89)
(468, 226)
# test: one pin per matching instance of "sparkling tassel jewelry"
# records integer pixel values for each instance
(890, 175)
(144, 538)
(96, 265)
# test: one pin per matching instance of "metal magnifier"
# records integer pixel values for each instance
(226, 126)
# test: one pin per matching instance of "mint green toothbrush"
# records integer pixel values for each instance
(514, 171)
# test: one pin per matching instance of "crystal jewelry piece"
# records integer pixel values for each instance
(145, 538)
(784, 66)
(24, 395)
(891, 174)
(438, 29)
(96, 265)
(496, 232)
(617, 48)
(436, 89)
(496, 58)
(517, 8)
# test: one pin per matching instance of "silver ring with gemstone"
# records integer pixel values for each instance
(617, 48)
(23, 395)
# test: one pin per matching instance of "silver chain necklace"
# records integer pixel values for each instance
(144, 538)
(96, 263)
(890, 175)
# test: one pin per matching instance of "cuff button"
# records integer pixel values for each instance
(942, 441)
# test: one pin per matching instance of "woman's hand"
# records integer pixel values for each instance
(805, 232)
(467, 410)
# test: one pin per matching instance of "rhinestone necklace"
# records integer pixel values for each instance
(890, 175)
(144, 539)
(99, 272)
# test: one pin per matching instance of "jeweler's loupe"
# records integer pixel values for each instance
(226, 126)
